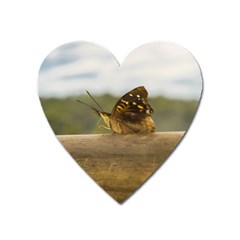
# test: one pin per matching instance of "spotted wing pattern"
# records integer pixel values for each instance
(134, 102)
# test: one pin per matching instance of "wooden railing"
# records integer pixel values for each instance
(121, 163)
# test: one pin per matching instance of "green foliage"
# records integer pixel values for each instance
(172, 114)
(67, 116)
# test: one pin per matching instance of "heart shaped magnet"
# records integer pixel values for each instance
(120, 122)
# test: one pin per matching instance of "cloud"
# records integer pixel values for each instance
(85, 75)
(163, 68)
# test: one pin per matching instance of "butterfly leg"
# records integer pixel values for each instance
(101, 126)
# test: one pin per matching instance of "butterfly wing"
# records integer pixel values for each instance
(132, 113)
(133, 102)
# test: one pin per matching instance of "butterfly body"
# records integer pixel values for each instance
(131, 114)
(132, 125)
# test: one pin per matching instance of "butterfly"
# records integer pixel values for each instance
(131, 113)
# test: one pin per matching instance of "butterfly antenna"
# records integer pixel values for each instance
(94, 100)
(84, 103)
(94, 109)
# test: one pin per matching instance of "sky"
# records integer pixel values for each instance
(164, 69)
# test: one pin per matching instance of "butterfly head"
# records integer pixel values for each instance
(105, 116)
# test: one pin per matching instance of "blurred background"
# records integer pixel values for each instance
(169, 72)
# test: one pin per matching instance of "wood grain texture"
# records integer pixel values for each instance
(121, 163)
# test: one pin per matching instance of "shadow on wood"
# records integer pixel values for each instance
(121, 163)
